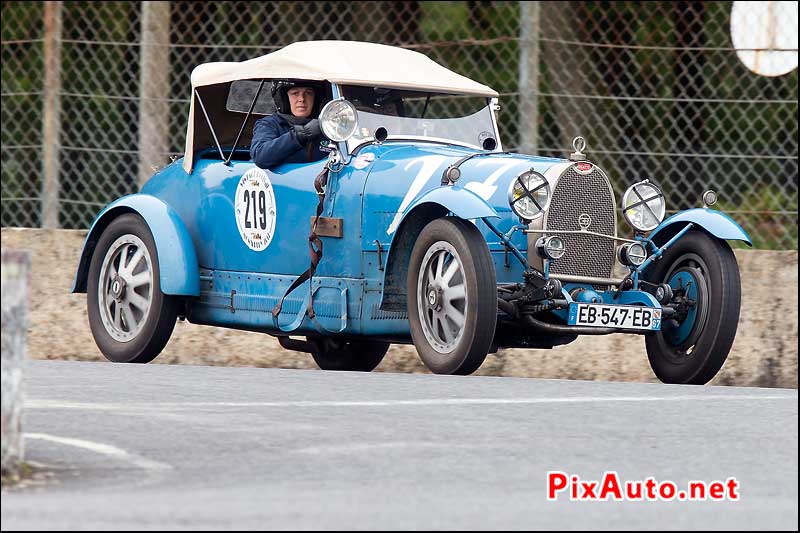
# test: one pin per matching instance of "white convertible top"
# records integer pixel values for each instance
(348, 63)
(342, 62)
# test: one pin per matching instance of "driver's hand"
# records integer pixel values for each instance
(308, 132)
(314, 128)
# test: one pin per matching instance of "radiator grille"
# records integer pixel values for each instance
(577, 194)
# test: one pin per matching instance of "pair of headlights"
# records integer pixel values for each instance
(643, 204)
(630, 254)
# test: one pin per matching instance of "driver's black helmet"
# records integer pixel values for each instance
(280, 97)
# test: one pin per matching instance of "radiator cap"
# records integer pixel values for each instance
(579, 144)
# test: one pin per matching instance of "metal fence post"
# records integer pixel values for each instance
(51, 134)
(153, 88)
(529, 78)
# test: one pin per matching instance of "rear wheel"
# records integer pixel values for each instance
(704, 276)
(354, 356)
(452, 297)
(130, 318)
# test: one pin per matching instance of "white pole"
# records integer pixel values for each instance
(14, 274)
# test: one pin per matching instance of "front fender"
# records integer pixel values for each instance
(460, 201)
(433, 204)
(715, 222)
(177, 260)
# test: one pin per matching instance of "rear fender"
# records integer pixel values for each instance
(177, 260)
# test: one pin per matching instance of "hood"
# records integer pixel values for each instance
(489, 176)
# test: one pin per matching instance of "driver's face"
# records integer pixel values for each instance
(301, 101)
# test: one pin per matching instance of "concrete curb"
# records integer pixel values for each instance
(764, 353)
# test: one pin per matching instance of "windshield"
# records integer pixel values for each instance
(454, 119)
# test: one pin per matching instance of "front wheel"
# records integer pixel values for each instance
(452, 297)
(130, 318)
(704, 276)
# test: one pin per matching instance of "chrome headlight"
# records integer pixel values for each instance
(529, 195)
(643, 206)
(632, 254)
(338, 120)
(550, 247)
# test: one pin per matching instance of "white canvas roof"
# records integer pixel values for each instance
(343, 62)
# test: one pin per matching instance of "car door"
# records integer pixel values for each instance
(256, 220)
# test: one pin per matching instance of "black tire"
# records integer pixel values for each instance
(693, 351)
(433, 316)
(138, 339)
(352, 356)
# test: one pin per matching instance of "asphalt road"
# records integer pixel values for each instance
(179, 447)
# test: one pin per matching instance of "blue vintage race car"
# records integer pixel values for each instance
(418, 228)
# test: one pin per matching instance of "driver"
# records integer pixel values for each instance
(290, 135)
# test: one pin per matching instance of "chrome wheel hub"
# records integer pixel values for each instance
(117, 288)
(434, 299)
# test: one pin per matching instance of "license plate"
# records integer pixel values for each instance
(614, 316)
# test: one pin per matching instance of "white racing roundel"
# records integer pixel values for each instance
(255, 209)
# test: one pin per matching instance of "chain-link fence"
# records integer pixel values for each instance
(657, 88)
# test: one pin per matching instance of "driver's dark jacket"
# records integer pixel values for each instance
(274, 142)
